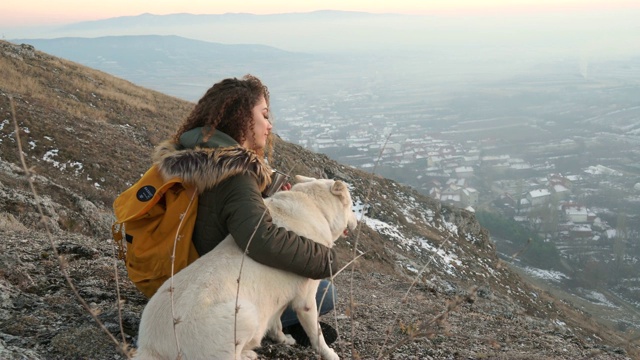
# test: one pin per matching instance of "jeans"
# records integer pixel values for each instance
(289, 316)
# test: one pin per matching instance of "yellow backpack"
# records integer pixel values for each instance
(158, 217)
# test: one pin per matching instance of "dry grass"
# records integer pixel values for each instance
(88, 130)
(83, 86)
(123, 347)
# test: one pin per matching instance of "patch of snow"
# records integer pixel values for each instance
(48, 157)
(386, 229)
(448, 258)
(599, 298)
(545, 274)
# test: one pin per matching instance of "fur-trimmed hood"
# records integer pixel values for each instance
(207, 167)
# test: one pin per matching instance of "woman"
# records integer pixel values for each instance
(221, 147)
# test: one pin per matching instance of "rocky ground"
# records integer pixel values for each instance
(40, 318)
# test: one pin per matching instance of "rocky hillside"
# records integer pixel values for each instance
(428, 285)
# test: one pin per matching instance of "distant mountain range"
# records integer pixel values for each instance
(333, 49)
(182, 19)
(186, 66)
(139, 51)
(315, 32)
(486, 43)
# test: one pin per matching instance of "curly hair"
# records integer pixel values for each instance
(227, 107)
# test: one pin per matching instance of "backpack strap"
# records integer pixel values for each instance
(116, 233)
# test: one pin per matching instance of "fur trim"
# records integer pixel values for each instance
(207, 167)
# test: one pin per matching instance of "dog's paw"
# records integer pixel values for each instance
(289, 340)
(249, 355)
(329, 354)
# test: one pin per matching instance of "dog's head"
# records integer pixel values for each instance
(334, 194)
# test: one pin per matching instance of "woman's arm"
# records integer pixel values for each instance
(271, 245)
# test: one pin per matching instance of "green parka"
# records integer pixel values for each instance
(230, 180)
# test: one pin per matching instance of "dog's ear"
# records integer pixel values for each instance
(340, 190)
(300, 178)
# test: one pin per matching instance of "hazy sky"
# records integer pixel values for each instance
(18, 13)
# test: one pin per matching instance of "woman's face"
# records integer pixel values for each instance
(261, 127)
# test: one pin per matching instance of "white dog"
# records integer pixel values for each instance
(205, 291)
